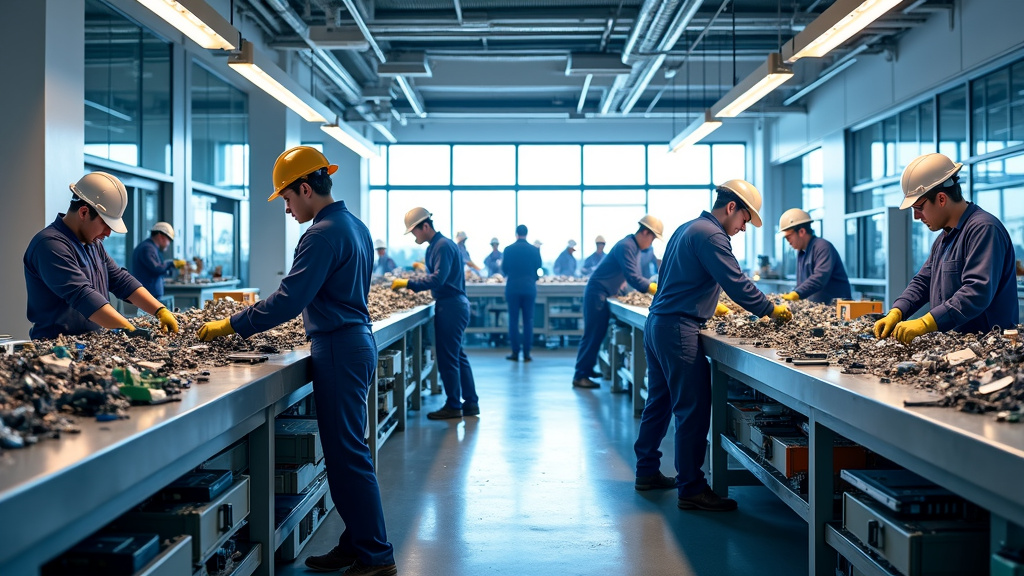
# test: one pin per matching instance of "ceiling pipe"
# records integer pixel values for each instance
(361, 24)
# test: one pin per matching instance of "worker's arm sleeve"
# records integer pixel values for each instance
(59, 268)
(986, 249)
(717, 257)
(823, 262)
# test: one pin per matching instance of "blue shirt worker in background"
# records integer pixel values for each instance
(820, 274)
(620, 267)
(493, 261)
(698, 265)
(969, 279)
(329, 283)
(519, 264)
(384, 264)
(147, 265)
(592, 261)
(69, 275)
(446, 280)
(649, 263)
(565, 264)
(460, 239)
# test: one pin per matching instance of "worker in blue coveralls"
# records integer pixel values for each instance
(384, 264)
(565, 264)
(820, 274)
(493, 261)
(969, 279)
(69, 275)
(328, 284)
(147, 265)
(697, 266)
(446, 280)
(592, 261)
(621, 266)
(649, 262)
(520, 264)
(460, 239)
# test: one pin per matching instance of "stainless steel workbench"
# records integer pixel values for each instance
(972, 455)
(54, 494)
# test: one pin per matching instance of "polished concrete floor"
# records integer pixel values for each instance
(542, 483)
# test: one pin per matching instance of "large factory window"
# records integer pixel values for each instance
(215, 234)
(220, 132)
(127, 91)
(953, 123)
(999, 189)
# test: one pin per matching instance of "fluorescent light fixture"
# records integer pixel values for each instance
(836, 25)
(351, 139)
(274, 81)
(197, 20)
(698, 129)
(757, 85)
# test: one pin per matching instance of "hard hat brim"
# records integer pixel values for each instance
(755, 217)
(116, 224)
(909, 201)
(416, 223)
(331, 169)
(794, 225)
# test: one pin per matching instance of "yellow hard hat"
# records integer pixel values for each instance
(414, 217)
(749, 195)
(296, 163)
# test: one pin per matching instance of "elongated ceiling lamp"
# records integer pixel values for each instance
(757, 85)
(350, 138)
(836, 25)
(197, 20)
(274, 81)
(705, 124)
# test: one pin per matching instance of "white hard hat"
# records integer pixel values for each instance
(460, 236)
(749, 195)
(414, 217)
(653, 224)
(378, 243)
(599, 240)
(495, 241)
(571, 244)
(164, 228)
(792, 218)
(925, 173)
(107, 195)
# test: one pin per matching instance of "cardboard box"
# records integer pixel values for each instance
(247, 296)
(850, 309)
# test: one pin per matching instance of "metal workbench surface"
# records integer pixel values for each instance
(478, 289)
(970, 454)
(57, 492)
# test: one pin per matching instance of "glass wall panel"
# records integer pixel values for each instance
(990, 99)
(691, 165)
(483, 165)
(614, 165)
(378, 214)
(553, 216)
(402, 246)
(999, 189)
(379, 167)
(953, 123)
(728, 162)
(612, 222)
(482, 215)
(1016, 104)
(550, 165)
(127, 91)
(419, 165)
(675, 208)
(214, 232)
(220, 132)
(614, 197)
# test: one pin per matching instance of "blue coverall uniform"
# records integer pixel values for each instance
(519, 264)
(622, 265)
(464, 253)
(384, 265)
(68, 281)
(591, 263)
(149, 268)
(648, 262)
(565, 264)
(447, 282)
(493, 262)
(969, 278)
(820, 274)
(698, 264)
(328, 283)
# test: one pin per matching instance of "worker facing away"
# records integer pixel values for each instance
(460, 239)
(329, 283)
(565, 264)
(592, 261)
(147, 265)
(969, 279)
(493, 261)
(383, 264)
(697, 266)
(520, 263)
(820, 274)
(68, 273)
(446, 280)
(622, 266)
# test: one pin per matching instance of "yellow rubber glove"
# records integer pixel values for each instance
(884, 326)
(419, 266)
(215, 329)
(179, 264)
(792, 296)
(168, 323)
(905, 332)
(722, 310)
(782, 313)
(653, 288)
(399, 283)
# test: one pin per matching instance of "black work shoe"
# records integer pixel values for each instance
(585, 383)
(657, 482)
(512, 357)
(331, 562)
(445, 413)
(527, 358)
(470, 409)
(595, 374)
(707, 500)
(360, 569)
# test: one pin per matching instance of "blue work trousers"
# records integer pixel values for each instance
(520, 302)
(343, 365)
(678, 384)
(595, 326)
(451, 316)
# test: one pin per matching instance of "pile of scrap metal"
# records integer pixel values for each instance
(475, 278)
(384, 301)
(562, 280)
(641, 299)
